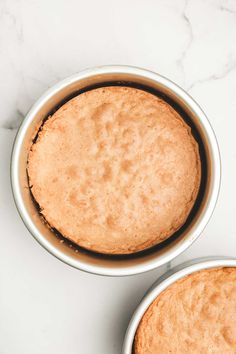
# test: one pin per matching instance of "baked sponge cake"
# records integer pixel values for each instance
(196, 315)
(116, 170)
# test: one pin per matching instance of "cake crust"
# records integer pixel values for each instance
(196, 315)
(116, 170)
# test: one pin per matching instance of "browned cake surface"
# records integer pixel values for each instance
(115, 169)
(195, 315)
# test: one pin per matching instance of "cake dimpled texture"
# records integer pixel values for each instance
(196, 315)
(116, 170)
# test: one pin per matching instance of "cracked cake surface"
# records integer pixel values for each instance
(196, 314)
(116, 170)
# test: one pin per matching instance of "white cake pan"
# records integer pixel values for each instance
(201, 128)
(162, 283)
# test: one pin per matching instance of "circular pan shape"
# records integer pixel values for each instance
(49, 103)
(163, 283)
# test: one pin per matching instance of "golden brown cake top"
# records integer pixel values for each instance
(115, 169)
(196, 315)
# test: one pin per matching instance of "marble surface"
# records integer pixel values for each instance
(46, 306)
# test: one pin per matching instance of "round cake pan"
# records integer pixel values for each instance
(190, 111)
(162, 283)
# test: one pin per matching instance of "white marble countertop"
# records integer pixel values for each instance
(46, 306)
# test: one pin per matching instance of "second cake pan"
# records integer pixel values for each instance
(165, 281)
